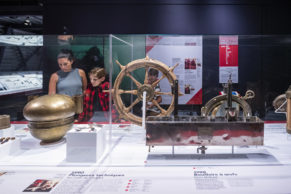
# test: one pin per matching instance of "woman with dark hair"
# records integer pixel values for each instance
(68, 80)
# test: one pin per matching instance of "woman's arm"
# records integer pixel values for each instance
(84, 80)
(53, 83)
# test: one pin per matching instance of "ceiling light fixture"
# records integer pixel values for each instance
(27, 21)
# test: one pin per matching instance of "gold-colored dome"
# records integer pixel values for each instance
(49, 108)
(50, 117)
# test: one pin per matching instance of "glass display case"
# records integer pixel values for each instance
(198, 107)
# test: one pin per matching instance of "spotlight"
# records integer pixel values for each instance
(27, 21)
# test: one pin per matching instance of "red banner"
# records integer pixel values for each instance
(228, 51)
(228, 59)
(228, 55)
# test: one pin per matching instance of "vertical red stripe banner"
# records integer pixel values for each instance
(228, 58)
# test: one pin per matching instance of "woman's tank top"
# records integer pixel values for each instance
(69, 83)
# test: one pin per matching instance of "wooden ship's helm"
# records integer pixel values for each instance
(126, 71)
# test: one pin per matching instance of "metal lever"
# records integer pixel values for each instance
(176, 95)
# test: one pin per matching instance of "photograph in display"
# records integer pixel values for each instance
(41, 185)
(2, 173)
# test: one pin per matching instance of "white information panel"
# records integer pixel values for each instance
(187, 52)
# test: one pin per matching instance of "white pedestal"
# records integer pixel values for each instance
(85, 145)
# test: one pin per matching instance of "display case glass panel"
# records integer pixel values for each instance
(199, 62)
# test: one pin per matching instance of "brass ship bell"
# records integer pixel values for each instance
(51, 116)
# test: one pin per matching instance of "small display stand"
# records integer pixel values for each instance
(85, 144)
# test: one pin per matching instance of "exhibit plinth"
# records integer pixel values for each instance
(85, 144)
(187, 130)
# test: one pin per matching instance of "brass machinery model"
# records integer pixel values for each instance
(282, 104)
(213, 105)
(209, 129)
(51, 116)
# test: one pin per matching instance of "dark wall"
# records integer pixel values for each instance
(156, 19)
(167, 17)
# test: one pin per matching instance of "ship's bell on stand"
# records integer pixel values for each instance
(50, 117)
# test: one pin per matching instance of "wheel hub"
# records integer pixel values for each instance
(149, 92)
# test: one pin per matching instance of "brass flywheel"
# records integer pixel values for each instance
(212, 106)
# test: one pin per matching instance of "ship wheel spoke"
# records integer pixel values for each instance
(127, 109)
(158, 81)
(134, 92)
(146, 75)
(163, 111)
(137, 83)
(163, 93)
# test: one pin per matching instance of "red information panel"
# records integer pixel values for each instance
(228, 51)
(228, 55)
(228, 58)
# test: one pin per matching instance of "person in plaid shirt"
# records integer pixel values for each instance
(96, 101)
